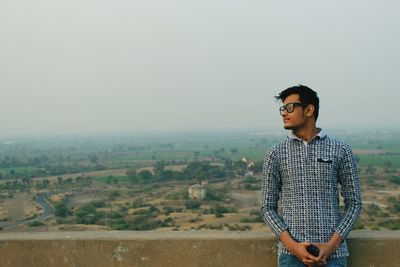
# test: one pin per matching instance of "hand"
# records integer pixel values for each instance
(300, 251)
(325, 250)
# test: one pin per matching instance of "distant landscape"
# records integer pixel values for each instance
(141, 181)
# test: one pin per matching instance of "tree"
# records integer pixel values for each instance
(94, 159)
(234, 150)
(358, 159)
(228, 163)
(192, 204)
(169, 175)
(370, 169)
(145, 175)
(240, 167)
(196, 169)
(387, 165)
(132, 175)
(26, 180)
(394, 179)
(159, 167)
(257, 167)
(45, 183)
(61, 209)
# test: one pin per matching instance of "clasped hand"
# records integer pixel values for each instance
(300, 251)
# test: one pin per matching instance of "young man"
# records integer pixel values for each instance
(304, 172)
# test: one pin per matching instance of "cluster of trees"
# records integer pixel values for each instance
(24, 184)
(395, 179)
(98, 212)
(196, 170)
(48, 170)
(251, 183)
(377, 217)
(235, 227)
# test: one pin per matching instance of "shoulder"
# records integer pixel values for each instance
(335, 141)
(277, 149)
(338, 144)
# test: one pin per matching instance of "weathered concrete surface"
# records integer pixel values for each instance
(188, 248)
(372, 249)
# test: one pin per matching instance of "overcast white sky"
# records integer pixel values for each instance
(81, 66)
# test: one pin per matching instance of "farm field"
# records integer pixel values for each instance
(127, 182)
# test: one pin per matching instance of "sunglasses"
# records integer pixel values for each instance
(290, 107)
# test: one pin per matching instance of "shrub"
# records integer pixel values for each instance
(390, 224)
(192, 204)
(139, 204)
(88, 214)
(248, 186)
(394, 179)
(36, 223)
(177, 195)
(250, 180)
(223, 209)
(168, 210)
(99, 203)
(359, 225)
(252, 219)
(197, 219)
(238, 227)
(215, 195)
(61, 209)
(219, 214)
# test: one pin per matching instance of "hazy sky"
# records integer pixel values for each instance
(92, 66)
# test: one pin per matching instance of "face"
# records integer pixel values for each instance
(297, 118)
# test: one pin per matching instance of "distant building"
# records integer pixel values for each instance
(249, 173)
(248, 162)
(198, 191)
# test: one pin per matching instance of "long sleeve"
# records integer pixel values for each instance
(350, 190)
(270, 186)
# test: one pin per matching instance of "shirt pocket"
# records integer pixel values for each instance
(325, 171)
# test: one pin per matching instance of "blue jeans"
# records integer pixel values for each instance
(285, 260)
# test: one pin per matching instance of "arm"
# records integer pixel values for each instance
(350, 190)
(270, 187)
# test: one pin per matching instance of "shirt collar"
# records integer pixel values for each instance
(320, 135)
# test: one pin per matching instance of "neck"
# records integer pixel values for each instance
(306, 133)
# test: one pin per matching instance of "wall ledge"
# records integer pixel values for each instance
(175, 248)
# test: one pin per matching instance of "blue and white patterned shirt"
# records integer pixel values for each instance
(305, 178)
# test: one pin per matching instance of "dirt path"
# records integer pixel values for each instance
(18, 208)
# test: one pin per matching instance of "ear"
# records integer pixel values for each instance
(310, 109)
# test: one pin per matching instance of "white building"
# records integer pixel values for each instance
(197, 191)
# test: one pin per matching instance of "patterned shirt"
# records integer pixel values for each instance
(305, 178)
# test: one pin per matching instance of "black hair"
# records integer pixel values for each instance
(307, 96)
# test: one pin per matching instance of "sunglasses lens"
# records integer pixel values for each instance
(289, 107)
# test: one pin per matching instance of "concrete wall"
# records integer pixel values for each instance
(164, 249)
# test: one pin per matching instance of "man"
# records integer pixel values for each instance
(305, 172)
